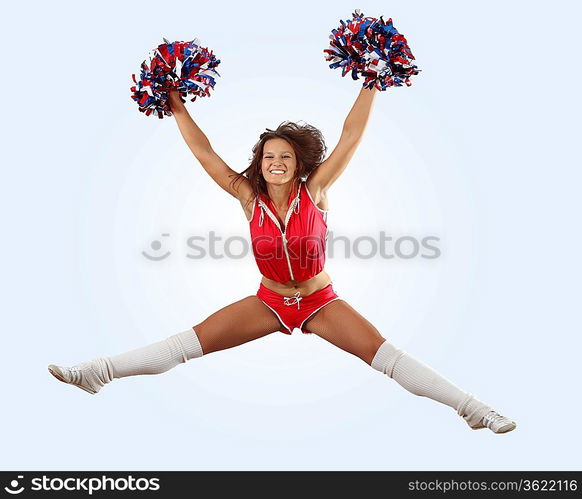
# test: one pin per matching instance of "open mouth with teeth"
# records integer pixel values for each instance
(276, 171)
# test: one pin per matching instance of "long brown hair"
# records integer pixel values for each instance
(308, 145)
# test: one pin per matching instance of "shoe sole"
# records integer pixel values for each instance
(504, 429)
(54, 370)
(507, 428)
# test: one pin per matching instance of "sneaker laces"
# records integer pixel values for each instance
(75, 374)
(494, 419)
(79, 372)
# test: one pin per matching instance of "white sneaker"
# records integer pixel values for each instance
(479, 415)
(496, 423)
(89, 376)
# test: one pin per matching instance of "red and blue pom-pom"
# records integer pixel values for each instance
(184, 66)
(373, 49)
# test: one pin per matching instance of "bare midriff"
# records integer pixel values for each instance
(305, 288)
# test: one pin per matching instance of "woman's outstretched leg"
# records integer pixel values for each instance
(341, 325)
(233, 325)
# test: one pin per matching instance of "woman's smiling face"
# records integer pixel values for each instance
(279, 162)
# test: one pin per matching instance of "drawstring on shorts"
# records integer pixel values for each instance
(292, 300)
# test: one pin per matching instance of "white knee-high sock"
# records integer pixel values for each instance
(422, 380)
(158, 357)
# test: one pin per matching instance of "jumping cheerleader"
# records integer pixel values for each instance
(284, 195)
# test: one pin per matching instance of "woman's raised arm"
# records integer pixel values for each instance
(200, 146)
(353, 130)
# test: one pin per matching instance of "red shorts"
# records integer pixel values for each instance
(293, 311)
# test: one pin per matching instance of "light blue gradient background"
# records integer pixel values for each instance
(482, 151)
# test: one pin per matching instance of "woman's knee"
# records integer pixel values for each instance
(370, 348)
(205, 344)
(369, 343)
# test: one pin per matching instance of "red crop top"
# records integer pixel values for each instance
(296, 250)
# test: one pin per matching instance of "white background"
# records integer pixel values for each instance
(481, 151)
